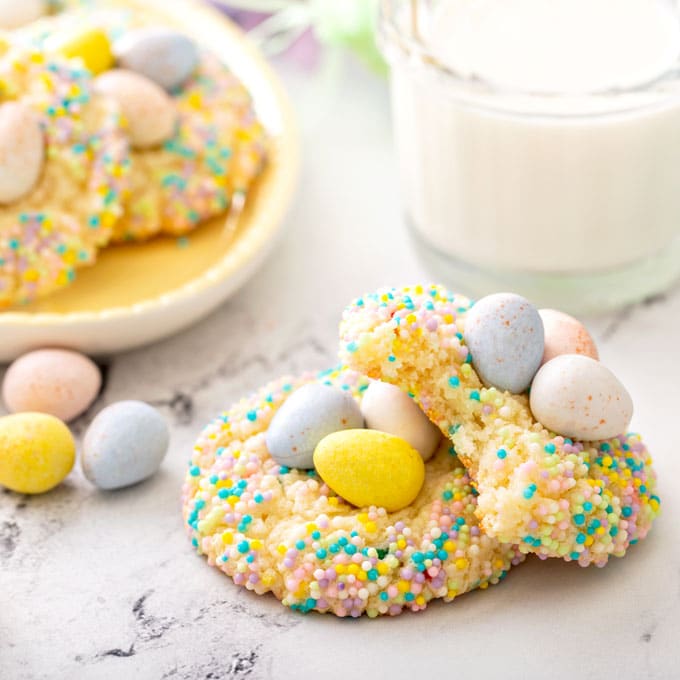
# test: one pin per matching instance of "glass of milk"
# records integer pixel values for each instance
(539, 143)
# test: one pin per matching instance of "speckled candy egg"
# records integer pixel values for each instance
(22, 151)
(55, 381)
(161, 54)
(367, 468)
(16, 13)
(578, 397)
(124, 445)
(305, 418)
(504, 333)
(386, 408)
(565, 335)
(150, 112)
(37, 451)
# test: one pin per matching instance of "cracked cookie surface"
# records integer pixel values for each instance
(555, 497)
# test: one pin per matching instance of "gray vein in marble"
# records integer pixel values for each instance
(619, 319)
(9, 535)
(242, 664)
(181, 401)
(622, 316)
(149, 628)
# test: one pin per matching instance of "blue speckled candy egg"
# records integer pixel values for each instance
(306, 417)
(504, 333)
(161, 54)
(125, 444)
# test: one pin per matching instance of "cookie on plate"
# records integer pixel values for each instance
(276, 529)
(203, 144)
(206, 167)
(63, 167)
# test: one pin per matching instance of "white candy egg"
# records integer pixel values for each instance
(578, 397)
(387, 408)
(22, 151)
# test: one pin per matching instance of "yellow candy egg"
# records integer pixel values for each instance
(37, 451)
(92, 46)
(368, 467)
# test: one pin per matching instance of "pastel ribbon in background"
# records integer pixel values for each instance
(298, 27)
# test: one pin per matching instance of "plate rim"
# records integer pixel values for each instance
(269, 223)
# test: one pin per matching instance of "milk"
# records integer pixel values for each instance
(539, 136)
(558, 46)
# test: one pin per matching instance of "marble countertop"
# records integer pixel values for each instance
(106, 585)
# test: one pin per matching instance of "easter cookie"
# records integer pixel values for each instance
(198, 144)
(275, 529)
(205, 164)
(63, 161)
(555, 496)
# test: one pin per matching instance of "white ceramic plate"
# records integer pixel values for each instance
(136, 294)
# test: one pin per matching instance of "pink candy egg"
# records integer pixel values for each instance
(565, 335)
(55, 381)
(149, 110)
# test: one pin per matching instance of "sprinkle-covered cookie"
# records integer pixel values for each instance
(56, 222)
(217, 146)
(206, 167)
(556, 497)
(280, 530)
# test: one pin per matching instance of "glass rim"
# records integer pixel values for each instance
(391, 33)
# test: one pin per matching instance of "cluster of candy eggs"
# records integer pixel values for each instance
(516, 347)
(44, 389)
(356, 448)
(149, 64)
(139, 71)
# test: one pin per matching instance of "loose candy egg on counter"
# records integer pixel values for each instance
(16, 13)
(125, 444)
(306, 417)
(565, 335)
(55, 381)
(22, 151)
(386, 408)
(367, 467)
(150, 112)
(578, 397)
(37, 452)
(90, 44)
(165, 56)
(504, 334)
